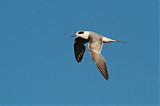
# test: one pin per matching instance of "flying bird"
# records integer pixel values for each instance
(95, 43)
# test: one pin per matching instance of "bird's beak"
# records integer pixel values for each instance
(73, 35)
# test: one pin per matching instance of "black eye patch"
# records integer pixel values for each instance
(81, 32)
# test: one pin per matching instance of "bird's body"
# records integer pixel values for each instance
(95, 44)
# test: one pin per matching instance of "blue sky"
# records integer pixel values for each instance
(37, 64)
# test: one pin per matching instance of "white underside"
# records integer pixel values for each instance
(105, 39)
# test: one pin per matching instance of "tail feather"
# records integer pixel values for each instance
(120, 41)
(108, 40)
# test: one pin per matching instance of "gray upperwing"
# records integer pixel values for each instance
(95, 47)
(100, 63)
(95, 43)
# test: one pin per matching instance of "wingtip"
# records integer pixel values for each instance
(107, 78)
(78, 61)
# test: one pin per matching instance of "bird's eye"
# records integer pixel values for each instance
(81, 32)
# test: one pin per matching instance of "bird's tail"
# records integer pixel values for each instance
(108, 40)
(119, 41)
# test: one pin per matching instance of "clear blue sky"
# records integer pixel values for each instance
(37, 64)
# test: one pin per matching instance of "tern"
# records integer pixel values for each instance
(95, 43)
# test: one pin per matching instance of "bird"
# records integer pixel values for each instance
(95, 43)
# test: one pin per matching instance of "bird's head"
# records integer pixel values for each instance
(82, 34)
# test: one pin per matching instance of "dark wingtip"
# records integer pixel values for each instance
(107, 78)
(78, 61)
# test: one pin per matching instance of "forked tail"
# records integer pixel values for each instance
(120, 41)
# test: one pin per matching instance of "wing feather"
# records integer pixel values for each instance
(79, 48)
(100, 63)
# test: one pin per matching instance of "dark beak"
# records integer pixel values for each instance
(73, 35)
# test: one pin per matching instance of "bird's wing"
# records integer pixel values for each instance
(79, 48)
(98, 59)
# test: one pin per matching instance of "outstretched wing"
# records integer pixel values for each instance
(100, 63)
(79, 48)
(95, 50)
